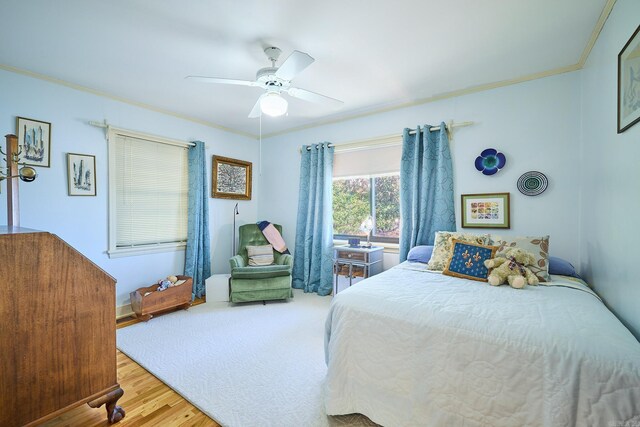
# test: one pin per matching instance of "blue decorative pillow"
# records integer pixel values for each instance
(467, 260)
(562, 267)
(420, 254)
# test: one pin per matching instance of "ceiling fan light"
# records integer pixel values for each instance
(274, 105)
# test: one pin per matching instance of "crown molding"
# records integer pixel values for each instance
(606, 11)
(123, 100)
(596, 32)
(474, 89)
(434, 98)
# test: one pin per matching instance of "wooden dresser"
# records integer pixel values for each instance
(57, 330)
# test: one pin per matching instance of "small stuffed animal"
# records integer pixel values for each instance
(512, 269)
(164, 284)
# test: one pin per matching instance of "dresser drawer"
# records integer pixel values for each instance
(356, 256)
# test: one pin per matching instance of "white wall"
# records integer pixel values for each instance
(536, 124)
(610, 196)
(83, 221)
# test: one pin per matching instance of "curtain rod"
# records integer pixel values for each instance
(105, 125)
(449, 126)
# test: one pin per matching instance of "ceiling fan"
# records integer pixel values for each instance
(276, 81)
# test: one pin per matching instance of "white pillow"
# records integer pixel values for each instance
(260, 255)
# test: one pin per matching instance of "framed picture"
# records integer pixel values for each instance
(81, 174)
(231, 178)
(34, 141)
(629, 83)
(485, 210)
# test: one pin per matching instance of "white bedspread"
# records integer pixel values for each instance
(412, 348)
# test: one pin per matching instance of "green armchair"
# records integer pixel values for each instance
(259, 283)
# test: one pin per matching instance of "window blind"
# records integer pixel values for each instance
(367, 161)
(151, 192)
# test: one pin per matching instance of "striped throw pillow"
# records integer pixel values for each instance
(260, 255)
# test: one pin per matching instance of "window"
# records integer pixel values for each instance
(355, 198)
(367, 182)
(148, 193)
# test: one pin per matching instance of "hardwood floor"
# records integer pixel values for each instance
(147, 401)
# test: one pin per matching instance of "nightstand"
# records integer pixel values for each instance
(353, 262)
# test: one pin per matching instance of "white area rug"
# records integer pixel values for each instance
(243, 365)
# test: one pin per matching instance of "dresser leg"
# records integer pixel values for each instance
(114, 412)
(145, 317)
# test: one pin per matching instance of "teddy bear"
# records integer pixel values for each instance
(512, 269)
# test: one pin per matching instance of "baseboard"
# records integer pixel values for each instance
(123, 311)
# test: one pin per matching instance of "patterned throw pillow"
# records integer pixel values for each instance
(260, 255)
(442, 247)
(467, 260)
(538, 246)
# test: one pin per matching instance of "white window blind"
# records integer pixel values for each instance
(368, 160)
(151, 192)
(366, 182)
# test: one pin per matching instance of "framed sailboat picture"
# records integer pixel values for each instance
(81, 174)
(34, 141)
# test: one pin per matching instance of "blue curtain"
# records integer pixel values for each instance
(197, 260)
(312, 260)
(426, 187)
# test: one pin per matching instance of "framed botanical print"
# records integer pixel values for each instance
(489, 210)
(629, 83)
(34, 141)
(231, 178)
(81, 174)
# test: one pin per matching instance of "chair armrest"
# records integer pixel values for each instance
(236, 261)
(286, 259)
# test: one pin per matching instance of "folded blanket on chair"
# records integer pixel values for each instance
(273, 236)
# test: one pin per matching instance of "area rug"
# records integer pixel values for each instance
(243, 365)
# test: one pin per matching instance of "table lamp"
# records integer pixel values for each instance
(366, 227)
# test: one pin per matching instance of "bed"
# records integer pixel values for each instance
(409, 347)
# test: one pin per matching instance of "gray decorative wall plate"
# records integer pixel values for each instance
(532, 183)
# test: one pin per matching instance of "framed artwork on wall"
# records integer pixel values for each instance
(81, 174)
(489, 210)
(34, 141)
(629, 83)
(231, 178)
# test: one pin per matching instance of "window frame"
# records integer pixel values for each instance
(113, 251)
(372, 203)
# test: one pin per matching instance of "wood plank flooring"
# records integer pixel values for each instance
(147, 401)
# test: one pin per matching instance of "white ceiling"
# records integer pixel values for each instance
(371, 54)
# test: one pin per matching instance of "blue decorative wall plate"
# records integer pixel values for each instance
(490, 161)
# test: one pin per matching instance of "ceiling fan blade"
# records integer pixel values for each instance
(294, 64)
(204, 79)
(307, 95)
(255, 111)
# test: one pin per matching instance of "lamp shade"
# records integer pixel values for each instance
(272, 104)
(367, 225)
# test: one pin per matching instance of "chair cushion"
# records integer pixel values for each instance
(260, 255)
(250, 235)
(261, 272)
(260, 289)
